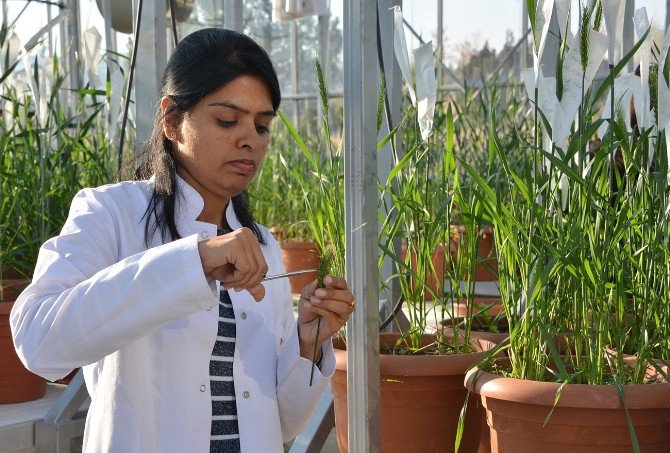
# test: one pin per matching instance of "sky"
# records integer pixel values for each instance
(476, 21)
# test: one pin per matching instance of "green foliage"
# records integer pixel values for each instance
(49, 152)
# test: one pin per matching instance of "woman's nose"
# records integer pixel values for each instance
(249, 136)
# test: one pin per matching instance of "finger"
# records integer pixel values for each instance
(330, 317)
(245, 276)
(343, 295)
(308, 290)
(259, 267)
(335, 306)
(262, 264)
(335, 282)
(258, 292)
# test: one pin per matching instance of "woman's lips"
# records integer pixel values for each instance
(245, 167)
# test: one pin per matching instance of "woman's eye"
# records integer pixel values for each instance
(225, 123)
(262, 129)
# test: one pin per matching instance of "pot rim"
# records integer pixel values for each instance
(419, 365)
(586, 396)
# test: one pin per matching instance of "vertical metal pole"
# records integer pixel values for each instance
(667, 14)
(440, 40)
(75, 47)
(293, 45)
(50, 37)
(524, 32)
(628, 39)
(360, 194)
(232, 16)
(150, 65)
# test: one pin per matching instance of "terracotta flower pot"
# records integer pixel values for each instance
(479, 329)
(486, 268)
(431, 280)
(421, 399)
(11, 288)
(460, 307)
(587, 418)
(297, 256)
(11, 273)
(17, 384)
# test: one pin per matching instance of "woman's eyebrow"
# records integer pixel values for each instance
(240, 109)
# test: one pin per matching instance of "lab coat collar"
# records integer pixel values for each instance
(191, 204)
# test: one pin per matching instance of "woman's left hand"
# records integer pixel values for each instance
(334, 304)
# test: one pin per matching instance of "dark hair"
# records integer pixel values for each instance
(202, 63)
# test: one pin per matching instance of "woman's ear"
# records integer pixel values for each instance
(170, 119)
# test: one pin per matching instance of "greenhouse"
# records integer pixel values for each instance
(335, 226)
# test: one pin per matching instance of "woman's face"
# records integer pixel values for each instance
(221, 142)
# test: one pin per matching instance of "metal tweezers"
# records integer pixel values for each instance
(288, 274)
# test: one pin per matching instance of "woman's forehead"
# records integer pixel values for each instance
(245, 93)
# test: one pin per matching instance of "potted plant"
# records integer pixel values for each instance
(581, 247)
(48, 154)
(428, 369)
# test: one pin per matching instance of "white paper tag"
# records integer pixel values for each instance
(117, 81)
(542, 20)
(625, 87)
(400, 50)
(562, 10)
(92, 40)
(644, 117)
(572, 71)
(10, 49)
(426, 87)
(663, 103)
(613, 13)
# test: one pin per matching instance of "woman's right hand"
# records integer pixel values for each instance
(236, 260)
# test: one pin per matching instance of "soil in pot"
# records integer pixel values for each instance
(421, 399)
(17, 384)
(297, 256)
(586, 418)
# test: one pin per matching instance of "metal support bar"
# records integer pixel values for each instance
(232, 17)
(150, 65)
(64, 420)
(440, 40)
(73, 33)
(360, 195)
(293, 45)
(524, 33)
(312, 438)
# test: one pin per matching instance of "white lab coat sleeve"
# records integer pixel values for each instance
(295, 397)
(85, 304)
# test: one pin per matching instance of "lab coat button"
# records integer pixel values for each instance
(281, 341)
(202, 388)
(243, 315)
(204, 235)
(245, 394)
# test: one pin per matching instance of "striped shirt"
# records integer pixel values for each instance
(225, 435)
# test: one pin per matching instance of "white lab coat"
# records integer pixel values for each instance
(143, 322)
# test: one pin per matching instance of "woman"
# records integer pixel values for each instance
(175, 361)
